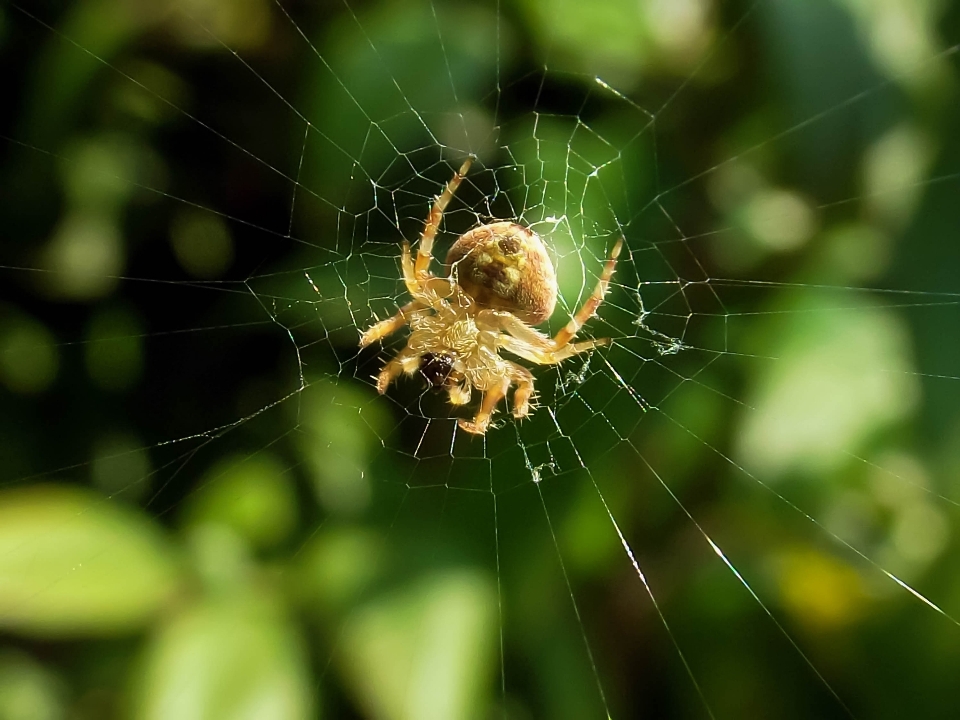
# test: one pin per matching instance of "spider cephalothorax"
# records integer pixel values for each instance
(500, 283)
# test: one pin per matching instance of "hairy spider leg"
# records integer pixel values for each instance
(425, 294)
(491, 398)
(425, 249)
(530, 344)
(519, 376)
(406, 361)
(391, 324)
(459, 393)
(524, 341)
(409, 275)
(593, 302)
(524, 392)
(428, 289)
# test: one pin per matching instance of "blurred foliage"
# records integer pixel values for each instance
(208, 512)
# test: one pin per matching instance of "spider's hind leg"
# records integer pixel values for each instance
(593, 302)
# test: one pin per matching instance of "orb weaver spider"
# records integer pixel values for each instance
(499, 284)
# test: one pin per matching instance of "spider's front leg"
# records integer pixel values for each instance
(425, 250)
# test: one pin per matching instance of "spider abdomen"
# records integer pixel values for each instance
(505, 266)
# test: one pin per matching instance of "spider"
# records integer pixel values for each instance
(499, 284)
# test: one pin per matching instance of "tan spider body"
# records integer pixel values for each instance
(500, 282)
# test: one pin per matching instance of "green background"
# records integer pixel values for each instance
(745, 507)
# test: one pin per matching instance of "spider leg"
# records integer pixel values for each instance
(426, 288)
(540, 349)
(593, 302)
(491, 398)
(409, 276)
(406, 361)
(385, 327)
(459, 393)
(424, 295)
(522, 335)
(529, 343)
(425, 251)
(524, 392)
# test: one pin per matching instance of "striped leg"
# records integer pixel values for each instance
(425, 251)
(590, 306)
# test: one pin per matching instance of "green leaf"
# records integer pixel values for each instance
(254, 496)
(75, 563)
(335, 567)
(28, 690)
(230, 659)
(842, 375)
(425, 652)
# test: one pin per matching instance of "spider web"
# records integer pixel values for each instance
(733, 506)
